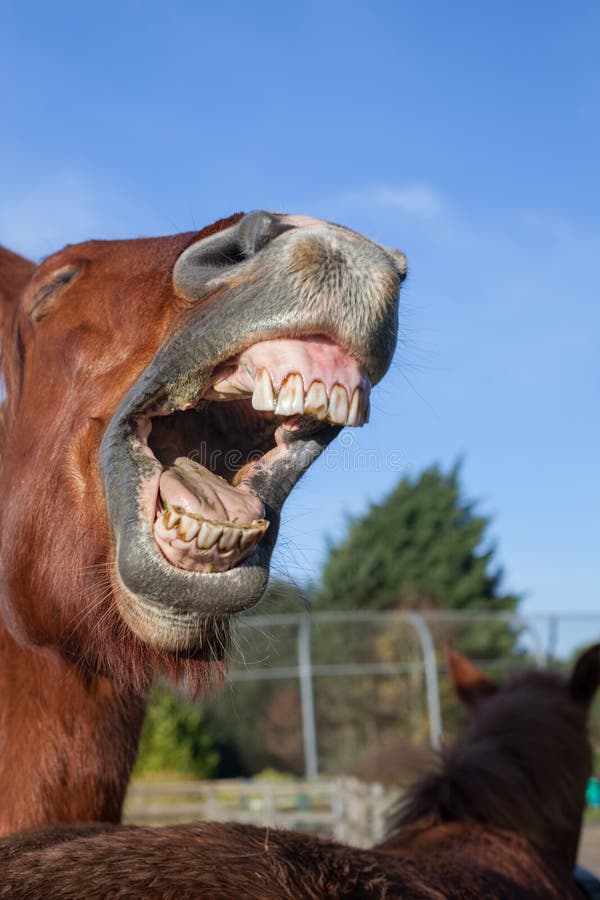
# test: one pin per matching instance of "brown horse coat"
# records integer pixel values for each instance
(228, 862)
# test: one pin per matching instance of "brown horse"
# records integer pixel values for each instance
(162, 397)
(499, 821)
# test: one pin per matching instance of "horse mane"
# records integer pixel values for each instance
(521, 766)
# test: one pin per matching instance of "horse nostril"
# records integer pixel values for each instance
(214, 255)
(257, 229)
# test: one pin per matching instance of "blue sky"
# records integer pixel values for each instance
(467, 134)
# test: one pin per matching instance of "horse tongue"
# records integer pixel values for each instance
(188, 486)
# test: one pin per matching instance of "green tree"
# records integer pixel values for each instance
(175, 738)
(424, 547)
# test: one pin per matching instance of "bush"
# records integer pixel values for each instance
(176, 739)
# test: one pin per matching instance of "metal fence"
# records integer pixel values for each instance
(282, 648)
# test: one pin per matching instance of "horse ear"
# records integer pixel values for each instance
(470, 683)
(15, 272)
(585, 678)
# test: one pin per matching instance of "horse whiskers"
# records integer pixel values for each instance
(92, 567)
(82, 614)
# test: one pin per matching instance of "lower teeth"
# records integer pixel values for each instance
(207, 532)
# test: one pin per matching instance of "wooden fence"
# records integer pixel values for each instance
(344, 808)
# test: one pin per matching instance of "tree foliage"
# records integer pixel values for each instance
(422, 548)
(175, 738)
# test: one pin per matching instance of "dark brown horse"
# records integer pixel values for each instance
(162, 397)
(499, 821)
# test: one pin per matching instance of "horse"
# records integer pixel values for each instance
(162, 396)
(500, 820)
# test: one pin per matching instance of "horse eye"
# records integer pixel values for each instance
(45, 294)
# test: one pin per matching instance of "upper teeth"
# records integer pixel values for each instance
(293, 400)
(263, 396)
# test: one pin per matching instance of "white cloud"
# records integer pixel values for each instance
(417, 200)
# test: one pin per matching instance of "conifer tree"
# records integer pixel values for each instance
(424, 547)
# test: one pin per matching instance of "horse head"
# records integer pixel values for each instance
(163, 396)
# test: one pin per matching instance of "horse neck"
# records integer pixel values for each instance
(68, 740)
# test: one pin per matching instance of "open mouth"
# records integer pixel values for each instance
(220, 457)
